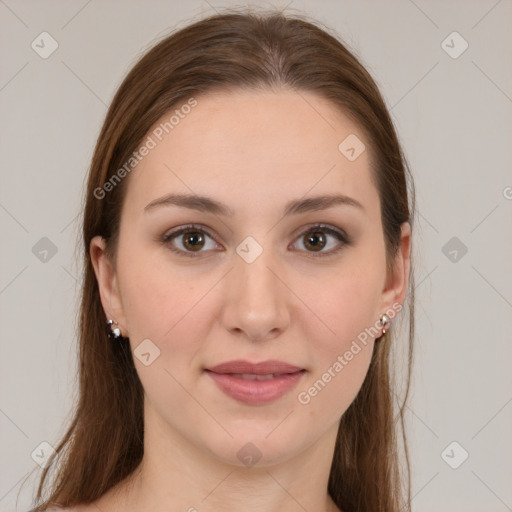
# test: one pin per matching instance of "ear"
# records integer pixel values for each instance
(107, 282)
(395, 288)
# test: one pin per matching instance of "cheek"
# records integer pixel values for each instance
(342, 337)
(340, 361)
(155, 296)
(345, 307)
(330, 392)
(169, 305)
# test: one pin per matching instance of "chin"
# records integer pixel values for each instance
(258, 446)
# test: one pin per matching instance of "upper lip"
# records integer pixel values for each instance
(271, 366)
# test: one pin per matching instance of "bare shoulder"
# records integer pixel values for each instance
(108, 501)
(88, 507)
(84, 507)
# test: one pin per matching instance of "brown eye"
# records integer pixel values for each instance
(189, 241)
(315, 240)
(193, 240)
(320, 237)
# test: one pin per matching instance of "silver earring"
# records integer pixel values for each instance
(385, 321)
(114, 333)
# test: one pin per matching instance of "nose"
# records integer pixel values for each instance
(257, 301)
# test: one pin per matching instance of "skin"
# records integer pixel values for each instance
(253, 151)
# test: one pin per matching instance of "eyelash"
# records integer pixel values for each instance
(340, 235)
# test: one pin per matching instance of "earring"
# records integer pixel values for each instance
(114, 333)
(385, 321)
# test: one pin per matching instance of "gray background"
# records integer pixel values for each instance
(454, 119)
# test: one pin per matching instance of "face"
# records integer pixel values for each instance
(253, 279)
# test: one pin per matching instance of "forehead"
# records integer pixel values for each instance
(252, 148)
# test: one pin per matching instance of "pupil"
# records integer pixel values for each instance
(196, 240)
(316, 240)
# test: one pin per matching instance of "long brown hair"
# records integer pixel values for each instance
(236, 49)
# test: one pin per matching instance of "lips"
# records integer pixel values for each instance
(242, 367)
(255, 383)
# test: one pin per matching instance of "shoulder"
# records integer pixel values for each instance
(76, 508)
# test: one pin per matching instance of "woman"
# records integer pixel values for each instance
(247, 234)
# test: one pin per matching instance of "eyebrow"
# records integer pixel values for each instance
(294, 207)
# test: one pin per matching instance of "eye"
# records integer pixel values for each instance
(191, 240)
(316, 238)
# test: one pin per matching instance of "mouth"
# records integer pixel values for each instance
(254, 376)
(242, 367)
(255, 383)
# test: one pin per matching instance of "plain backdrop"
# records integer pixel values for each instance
(445, 70)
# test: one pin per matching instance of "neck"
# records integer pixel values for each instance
(178, 475)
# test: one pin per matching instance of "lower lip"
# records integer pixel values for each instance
(256, 391)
